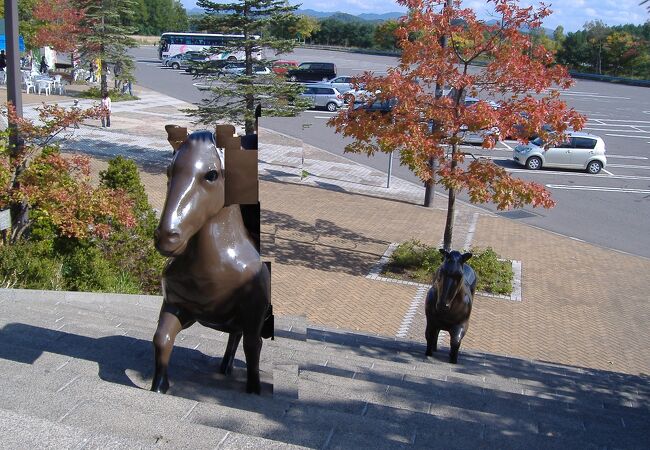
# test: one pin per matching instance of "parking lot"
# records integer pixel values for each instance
(611, 209)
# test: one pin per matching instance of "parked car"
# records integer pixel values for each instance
(580, 151)
(175, 61)
(323, 96)
(342, 84)
(312, 71)
(212, 66)
(281, 66)
(238, 69)
(384, 106)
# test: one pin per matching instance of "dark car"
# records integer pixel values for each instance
(363, 100)
(207, 67)
(312, 71)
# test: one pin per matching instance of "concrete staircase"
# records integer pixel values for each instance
(76, 367)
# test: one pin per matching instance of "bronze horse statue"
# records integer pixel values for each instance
(449, 302)
(215, 275)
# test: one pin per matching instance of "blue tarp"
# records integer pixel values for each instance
(21, 43)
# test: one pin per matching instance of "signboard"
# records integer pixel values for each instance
(5, 219)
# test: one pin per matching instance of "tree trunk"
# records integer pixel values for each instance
(429, 191)
(451, 204)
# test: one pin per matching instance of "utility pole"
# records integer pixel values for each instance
(428, 185)
(14, 94)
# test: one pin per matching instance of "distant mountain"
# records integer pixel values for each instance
(349, 17)
(525, 29)
(344, 17)
(381, 17)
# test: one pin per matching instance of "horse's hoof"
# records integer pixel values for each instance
(428, 353)
(453, 360)
(253, 388)
(160, 386)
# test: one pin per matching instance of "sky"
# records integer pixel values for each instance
(571, 14)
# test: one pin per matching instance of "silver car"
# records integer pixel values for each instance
(323, 96)
(342, 84)
(580, 151)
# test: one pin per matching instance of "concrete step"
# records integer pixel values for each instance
(80, 400)
(19, 431)
(352, 352)
(104, 410)
(334, 388)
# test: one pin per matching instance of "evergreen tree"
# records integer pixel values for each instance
(235, 98)
(106, 38)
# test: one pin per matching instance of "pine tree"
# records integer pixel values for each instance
(235, 98)
(106, 38)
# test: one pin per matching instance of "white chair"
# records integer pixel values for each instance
(27, 81)
(58, 84)
(44, 85)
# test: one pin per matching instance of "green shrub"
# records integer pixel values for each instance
(416, 261)
(115, 94)
(86, 269)
(493, 275)
(30, 265)
(133, 249)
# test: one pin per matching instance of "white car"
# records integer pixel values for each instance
(580, 151)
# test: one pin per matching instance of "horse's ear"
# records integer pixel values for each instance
(176, 135)
(444, 252)
(465, 257)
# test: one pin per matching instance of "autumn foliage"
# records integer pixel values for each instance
(449, 47)
(55, 187)
(59, 24)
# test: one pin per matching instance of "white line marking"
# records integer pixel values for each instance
(509, 148)
(629, 166)
(410, 314)
(607, 172)
(577, 174)
(322, 117)
(631, 121)
(597, 189)
(593, 96)
(626, 135)
(470, 231)
(626, 157)
(618, 130)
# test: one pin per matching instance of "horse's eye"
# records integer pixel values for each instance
(212, 175)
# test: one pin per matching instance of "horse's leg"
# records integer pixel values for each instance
(229, 355)
(170, 323)
(252, 349)
(431, 334)
(456, 335)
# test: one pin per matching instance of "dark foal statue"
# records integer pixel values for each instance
(449, 302)
(215, 275)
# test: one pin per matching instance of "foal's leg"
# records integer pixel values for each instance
(252, 349)
(229, 356)
(456, 335)
(169, 324)
(431, 334)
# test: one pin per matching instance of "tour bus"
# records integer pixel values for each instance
(175, 43)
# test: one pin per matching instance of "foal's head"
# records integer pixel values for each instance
(195, 192)
(449, 277)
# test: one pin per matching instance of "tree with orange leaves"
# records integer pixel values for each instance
(440, 46)
(58, 24)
